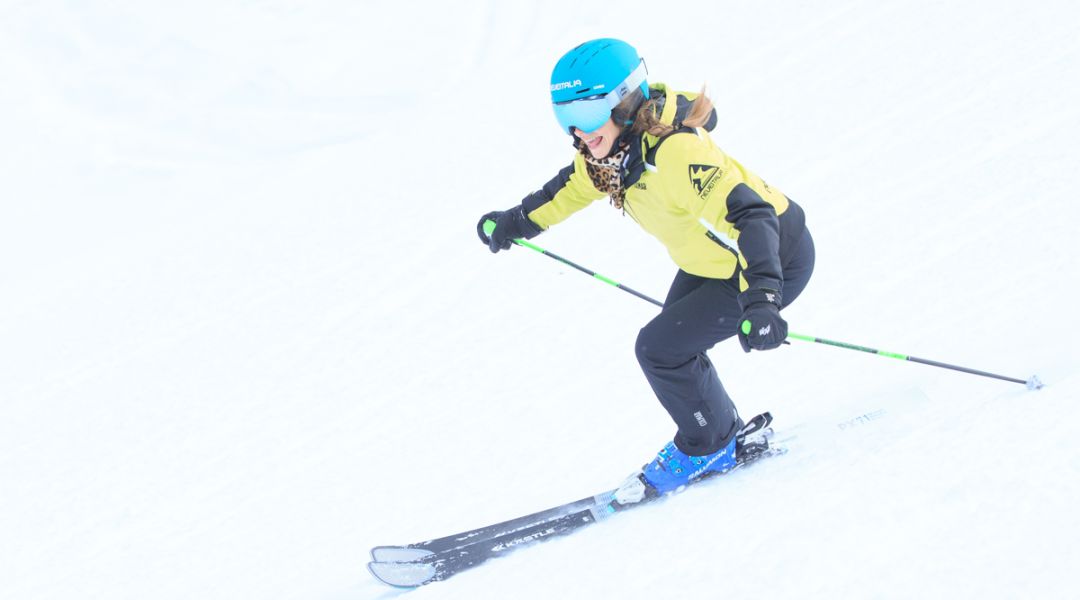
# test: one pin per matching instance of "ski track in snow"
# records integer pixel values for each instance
(247, 331)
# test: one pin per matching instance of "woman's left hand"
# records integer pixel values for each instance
(761, 327)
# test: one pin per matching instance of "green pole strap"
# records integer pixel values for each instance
(1032, 383)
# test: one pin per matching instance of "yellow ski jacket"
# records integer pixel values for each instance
(716, 218)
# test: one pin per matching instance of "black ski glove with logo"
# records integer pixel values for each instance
(509, 225)
(761, 327)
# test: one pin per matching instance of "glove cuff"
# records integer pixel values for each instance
(524, 224)
(760, 295)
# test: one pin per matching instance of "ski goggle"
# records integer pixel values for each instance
(589, 114)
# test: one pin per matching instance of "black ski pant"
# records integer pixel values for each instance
(698, 313)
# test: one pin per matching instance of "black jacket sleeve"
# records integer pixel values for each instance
(759, 238)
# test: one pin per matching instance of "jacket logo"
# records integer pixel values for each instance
(704, 178)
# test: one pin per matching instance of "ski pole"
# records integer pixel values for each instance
(489, 226)
(1032, 383)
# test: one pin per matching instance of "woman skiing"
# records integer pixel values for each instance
(742, 247)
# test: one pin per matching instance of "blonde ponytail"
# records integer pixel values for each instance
(648, 116)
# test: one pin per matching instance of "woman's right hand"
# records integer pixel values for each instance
(509, 225)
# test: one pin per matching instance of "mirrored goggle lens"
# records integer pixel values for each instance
(588, 115)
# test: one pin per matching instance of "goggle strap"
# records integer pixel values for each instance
(628, 85)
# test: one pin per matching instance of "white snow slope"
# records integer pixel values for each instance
(247, 331)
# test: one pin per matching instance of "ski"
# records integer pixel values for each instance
(559, 521)
(421, 550)
(427, 548)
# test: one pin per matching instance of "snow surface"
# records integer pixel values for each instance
(247, 331)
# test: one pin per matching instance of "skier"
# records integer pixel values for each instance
(742, 247)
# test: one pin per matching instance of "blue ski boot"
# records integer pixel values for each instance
(672, 468)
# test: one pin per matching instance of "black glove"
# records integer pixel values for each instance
(761, 327)
(509, 225)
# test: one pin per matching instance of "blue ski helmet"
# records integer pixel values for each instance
(590, 80)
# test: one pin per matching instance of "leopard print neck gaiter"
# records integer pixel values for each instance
(606, 173)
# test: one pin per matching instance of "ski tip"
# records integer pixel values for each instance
(402, 574)
(398, 554)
